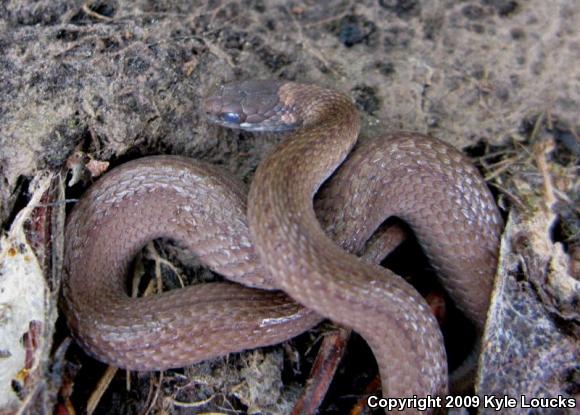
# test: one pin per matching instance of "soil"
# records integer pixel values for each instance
(83, 83)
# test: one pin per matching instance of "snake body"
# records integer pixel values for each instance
(282, 245)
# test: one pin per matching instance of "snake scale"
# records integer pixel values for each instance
(285, 270)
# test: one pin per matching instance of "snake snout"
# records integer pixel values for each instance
(225, 113)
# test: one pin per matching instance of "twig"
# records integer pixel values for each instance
(89, 12)
(155, 395)
(101, 388)
(541, 150)
(373, 386)
(329, 356)
(191, 404)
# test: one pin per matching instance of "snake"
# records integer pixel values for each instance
(289, 248)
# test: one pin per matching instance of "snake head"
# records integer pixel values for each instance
(250, 105)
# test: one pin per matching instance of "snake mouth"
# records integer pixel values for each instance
(249, 105)
(215, 110)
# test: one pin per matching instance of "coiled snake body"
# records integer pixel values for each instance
(282, 245)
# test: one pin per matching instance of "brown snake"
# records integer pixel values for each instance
(423, 181)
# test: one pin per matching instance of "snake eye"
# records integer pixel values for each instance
(231, 117)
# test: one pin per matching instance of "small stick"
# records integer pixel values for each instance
(329, 356)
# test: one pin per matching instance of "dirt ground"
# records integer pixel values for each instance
(86, 82)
